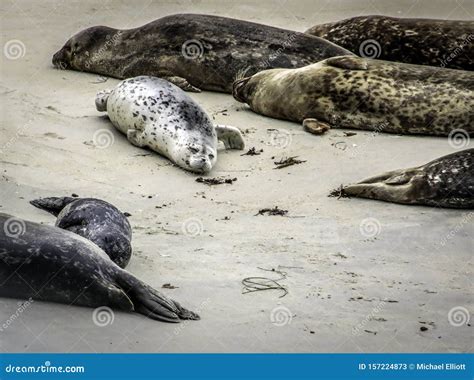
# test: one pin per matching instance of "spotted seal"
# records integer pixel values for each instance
(445, 43)
(52, 264)
(156, 114)
(193, 51)
(94, 219)
(354, 92)
(445, 182)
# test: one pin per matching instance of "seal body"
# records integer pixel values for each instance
(51, 264)
(353, 92)
(445, 182)
(94, 219)
(442, 43)
(192, 51)
(156, 114)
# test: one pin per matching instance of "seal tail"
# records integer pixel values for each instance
(53, 205)
(151, 302)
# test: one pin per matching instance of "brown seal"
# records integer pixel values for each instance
(192, 51)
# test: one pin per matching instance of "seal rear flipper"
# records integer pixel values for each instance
(347, 62)
(230, 136)
(315, 126)
(182, 83)
(397, 186)
(53, 205)
(151, 303)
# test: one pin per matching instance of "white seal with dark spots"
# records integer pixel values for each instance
(156, 114)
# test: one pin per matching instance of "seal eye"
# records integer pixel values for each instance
(211, 156)
(193, 150)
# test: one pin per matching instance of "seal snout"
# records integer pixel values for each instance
(59, 61)
(238, 89)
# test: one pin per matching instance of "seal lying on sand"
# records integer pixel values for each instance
(156, 114)
(445, 43)
(51, 264)
(94, 219)
(353, 92)
(445, 182)
(192, 51)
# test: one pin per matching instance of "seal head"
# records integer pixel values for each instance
(95, 220)
(82, 49)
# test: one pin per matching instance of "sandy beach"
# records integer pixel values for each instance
(361, 275)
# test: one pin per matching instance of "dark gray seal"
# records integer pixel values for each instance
(154, 113)
(445, 43)
(94, 219)
(51, 264)
(361, 93)
(192, 51)
(445, 182)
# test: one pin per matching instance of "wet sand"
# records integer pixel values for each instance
(362, 276)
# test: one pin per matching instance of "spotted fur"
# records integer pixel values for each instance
(94, 219)
(445, 182)
(156, 114)
(445, 43)
(353, 92)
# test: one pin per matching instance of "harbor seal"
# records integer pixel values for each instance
(51, 264)
(360, 93)
(445, 182)
(192, 51)
(445, 43)
(156, 114)
(94, 219)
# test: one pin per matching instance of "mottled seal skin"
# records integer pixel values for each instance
(445, 43)
(51, 264)
(192, 51)
(94, 219)
(369, 94)
(445, 182)
(156, 114)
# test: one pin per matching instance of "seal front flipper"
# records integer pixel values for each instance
(347, 62)
(182, 83)
(230, 136)
(315, 126)
(101, 100)
(136, 138)
(53, 205)
(150, 302)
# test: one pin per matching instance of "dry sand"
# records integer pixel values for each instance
(347, 292)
